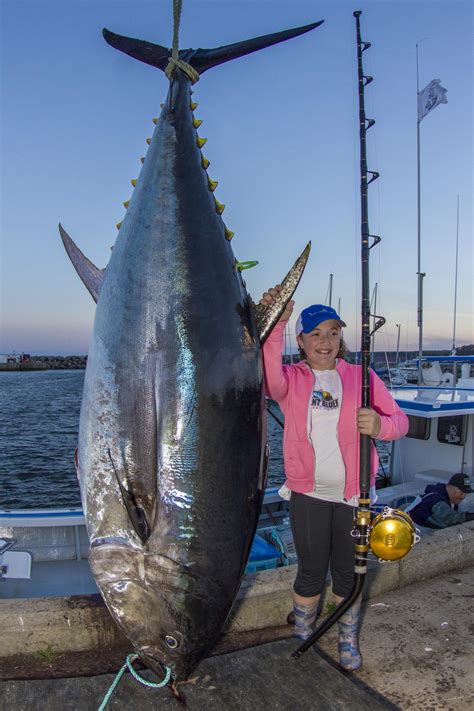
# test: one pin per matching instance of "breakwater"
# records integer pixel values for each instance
(73, 362)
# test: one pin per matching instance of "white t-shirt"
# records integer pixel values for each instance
(325, 407)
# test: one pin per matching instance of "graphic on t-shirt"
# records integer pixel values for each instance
(323, 400)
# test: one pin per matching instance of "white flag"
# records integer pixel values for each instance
(430, 97)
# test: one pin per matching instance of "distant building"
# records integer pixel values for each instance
(15, 358)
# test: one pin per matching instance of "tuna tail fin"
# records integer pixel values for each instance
(91, 275)
(201, 59)
(266, 316)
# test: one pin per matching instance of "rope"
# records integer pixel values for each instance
(174, 61)
(128, 664)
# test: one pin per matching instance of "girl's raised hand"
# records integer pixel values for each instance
(270, 296)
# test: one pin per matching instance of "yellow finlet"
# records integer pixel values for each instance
(228, 233)
(126, 203)
(212, 184)
(193, 106)
(155, 121)
(134, 182)
(204, 162)
(219, 207)
(148, 140)
(201, 141)
(197, 122)
(118, 225)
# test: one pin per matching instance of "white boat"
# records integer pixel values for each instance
(409, 370)
(43, 552)
(440, 440)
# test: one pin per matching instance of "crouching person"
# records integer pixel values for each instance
(438, 506)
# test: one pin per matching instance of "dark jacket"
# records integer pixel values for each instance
(436, 511)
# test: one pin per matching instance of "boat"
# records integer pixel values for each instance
(409, 370)
(43, 552)
(440, 438)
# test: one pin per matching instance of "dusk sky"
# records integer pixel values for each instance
(282, 130)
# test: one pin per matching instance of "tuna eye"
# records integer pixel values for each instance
(172, 642)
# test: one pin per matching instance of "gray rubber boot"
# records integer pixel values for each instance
(305, 616)
(348, 639)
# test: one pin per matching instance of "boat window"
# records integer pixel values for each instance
(419, 427)
(451, 429)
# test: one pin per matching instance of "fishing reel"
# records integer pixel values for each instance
(392, 534)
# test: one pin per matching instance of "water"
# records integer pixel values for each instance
(38, 436)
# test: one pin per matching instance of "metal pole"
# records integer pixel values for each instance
(419, 272)
(398, 344)
(330, 289)
(374, 311)
(456, 281)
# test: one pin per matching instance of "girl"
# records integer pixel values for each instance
(320, 398)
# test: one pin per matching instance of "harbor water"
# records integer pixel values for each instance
(38, 435)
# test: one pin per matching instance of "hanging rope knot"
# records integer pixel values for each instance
(176, 63)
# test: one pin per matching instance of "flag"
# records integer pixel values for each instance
(430, 97)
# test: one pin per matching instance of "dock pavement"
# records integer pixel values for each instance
(416, 641)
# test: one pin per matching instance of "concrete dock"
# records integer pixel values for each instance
(260, 678)
(417, 646)
(416, 641)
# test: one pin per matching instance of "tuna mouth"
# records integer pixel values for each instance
(112, 541)
(164, 666)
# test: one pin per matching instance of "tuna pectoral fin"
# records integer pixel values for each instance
(89, 273)
(266, 316)
(135, 512)
(201, 59)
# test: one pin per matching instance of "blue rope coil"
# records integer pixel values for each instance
(128, 664)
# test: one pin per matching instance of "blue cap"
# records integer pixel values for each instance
(313, 315)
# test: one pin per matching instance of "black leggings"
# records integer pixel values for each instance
(322, 536)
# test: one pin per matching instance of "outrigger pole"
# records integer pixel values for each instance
(361, 532)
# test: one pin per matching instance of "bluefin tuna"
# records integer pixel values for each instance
(172, 447)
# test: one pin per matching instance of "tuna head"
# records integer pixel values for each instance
(170, 610)
(158, 606)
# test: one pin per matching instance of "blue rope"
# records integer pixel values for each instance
(128, 663)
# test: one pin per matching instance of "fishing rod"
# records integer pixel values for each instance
(363, 516)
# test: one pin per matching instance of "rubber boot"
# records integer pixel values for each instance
(305, 616)
(348, 639)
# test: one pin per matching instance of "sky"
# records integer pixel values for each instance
(282, 130)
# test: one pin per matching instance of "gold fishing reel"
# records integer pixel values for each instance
(392, 534)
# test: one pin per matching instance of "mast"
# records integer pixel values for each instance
(363, 513)
(374, 303)
(420, 274)
(456, 283)
(398, 344)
